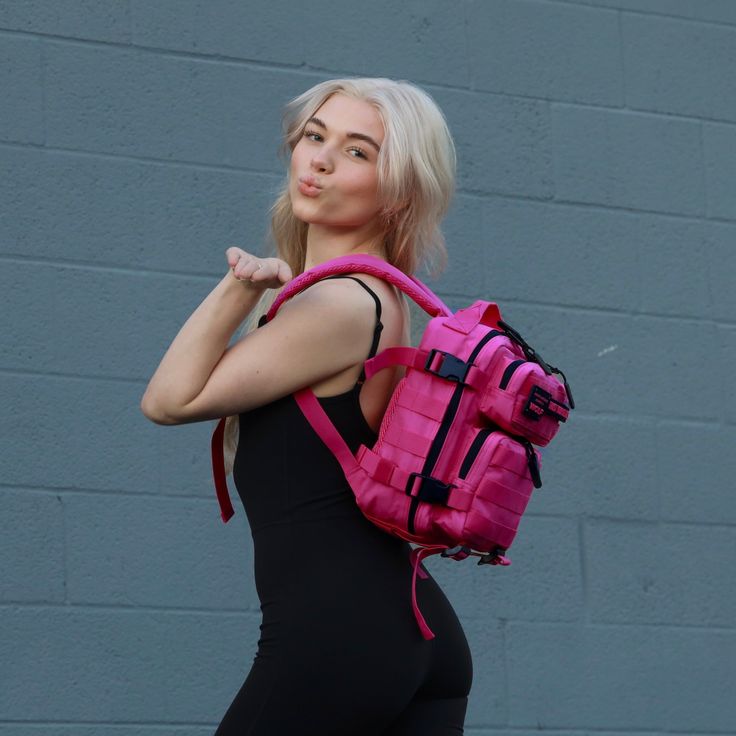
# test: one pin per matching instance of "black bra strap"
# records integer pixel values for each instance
(379, 325)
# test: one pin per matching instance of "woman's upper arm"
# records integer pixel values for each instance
(317, 334)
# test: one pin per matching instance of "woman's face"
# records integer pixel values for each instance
(333, 177)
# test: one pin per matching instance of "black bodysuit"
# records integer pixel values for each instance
(340, 651)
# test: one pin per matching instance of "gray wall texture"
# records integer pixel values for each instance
(596, 203)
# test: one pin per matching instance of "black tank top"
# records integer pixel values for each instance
(278, 450)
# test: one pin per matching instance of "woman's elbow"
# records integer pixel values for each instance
(154, 413)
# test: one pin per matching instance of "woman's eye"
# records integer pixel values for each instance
(359, 151)
(312, 134)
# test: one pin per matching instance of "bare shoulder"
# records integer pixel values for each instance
(341, 302)
(395, 313)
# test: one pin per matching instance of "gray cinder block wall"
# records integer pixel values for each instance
(596, 203)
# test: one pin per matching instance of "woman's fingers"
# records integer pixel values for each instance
(273, 272)
(234, 254)
(284, 272)
(266, 273)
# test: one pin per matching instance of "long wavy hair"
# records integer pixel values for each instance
(416, 181)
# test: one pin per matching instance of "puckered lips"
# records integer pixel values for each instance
(309, 186)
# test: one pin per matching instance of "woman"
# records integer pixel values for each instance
(371, 171)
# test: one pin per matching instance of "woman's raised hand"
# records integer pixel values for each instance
(257, 273)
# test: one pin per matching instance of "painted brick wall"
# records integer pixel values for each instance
(597, 203)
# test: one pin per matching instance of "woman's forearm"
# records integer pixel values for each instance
(198, 347)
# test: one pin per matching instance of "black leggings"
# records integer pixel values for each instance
(345, 657)
(422, 716)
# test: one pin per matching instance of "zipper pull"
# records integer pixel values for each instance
(568, 390)
(533, 464)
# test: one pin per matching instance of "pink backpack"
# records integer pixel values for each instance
(454, 465)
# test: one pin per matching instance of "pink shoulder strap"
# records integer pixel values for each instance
(363, 263)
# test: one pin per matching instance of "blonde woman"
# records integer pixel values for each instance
(371, 170)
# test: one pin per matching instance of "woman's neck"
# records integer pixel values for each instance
(324, 245)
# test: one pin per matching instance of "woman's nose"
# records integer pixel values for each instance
(321, 161)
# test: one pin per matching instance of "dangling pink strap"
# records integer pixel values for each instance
(416, 558)
(218, 472)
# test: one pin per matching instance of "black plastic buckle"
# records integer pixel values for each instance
(451, 368)
(538, 403)
(430, 489)
(494, 557)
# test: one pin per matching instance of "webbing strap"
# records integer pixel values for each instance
(218, 472)
(408, 356)
(415, 358)
(416, 558)
(325, 429)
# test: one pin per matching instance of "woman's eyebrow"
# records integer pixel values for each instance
(359, 136)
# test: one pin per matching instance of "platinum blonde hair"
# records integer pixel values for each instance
(416, 182)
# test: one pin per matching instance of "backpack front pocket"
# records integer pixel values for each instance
(525, 401)
(501, 472)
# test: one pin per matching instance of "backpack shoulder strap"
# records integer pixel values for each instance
(364, 263)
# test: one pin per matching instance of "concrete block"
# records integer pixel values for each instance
(717, 11)
(545, 50)
(625, 159)
(157, 552)
(21, 75)
(418, 40)
(487, 704)
(575, 255)
(627, 365)
(74, 433)
(503, 143)
(135, 103)
(543, 582)
(106, 310)
(97, 20)
(601, 466)
(696, 467)
(672, 267)
(580, 677)
(675, 66)
(257, 30)
(122, 666)
(185, 464)
(561, 254)
(123, 213)
(719, 152)
(467, 250)
(672, 574)
(727, 344)
(31, 547)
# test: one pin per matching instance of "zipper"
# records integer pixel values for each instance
(475, 448)
(510, 369)
(439, 440)
(479, 441)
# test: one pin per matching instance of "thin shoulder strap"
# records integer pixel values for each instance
(379, 325)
